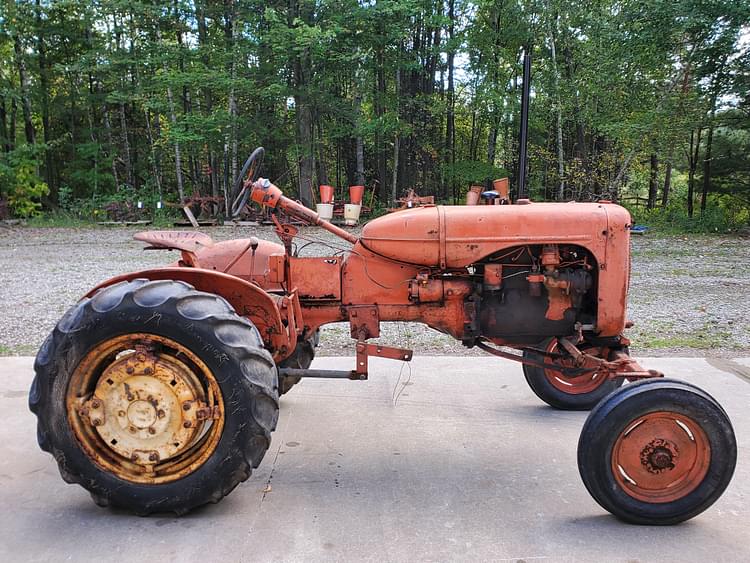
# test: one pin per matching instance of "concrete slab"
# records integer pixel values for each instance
(466, 465)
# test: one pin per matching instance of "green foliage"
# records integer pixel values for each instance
(19, 183)
(468, 172)
(121, 205)
(722, 215)
(137, 98)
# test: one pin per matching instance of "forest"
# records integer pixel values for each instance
(641, 101)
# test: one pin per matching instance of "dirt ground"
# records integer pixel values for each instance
(690, 295)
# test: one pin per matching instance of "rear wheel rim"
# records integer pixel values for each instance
(145, 408)
(661, 457)
(579, 385)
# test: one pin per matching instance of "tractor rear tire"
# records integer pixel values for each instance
(560, 392)
(179, 430)
(657, 452)
(301, 358)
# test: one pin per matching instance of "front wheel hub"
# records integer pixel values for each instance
(661, 457)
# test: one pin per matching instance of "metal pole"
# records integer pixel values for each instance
(523, 137)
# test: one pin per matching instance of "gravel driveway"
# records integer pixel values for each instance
(689, 295)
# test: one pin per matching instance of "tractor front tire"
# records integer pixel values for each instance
(154, 397)
(566, 393)
(657, 452)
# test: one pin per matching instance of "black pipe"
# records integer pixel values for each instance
(523, 136)
(328, 373)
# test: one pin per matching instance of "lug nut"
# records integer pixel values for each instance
(147, 371)
(132, 429)
(153, 456)
(121, 413)
(95, 404)
(134, 457)
(186, 406)
(160, 413)
(151, 430)
(187, 424)
(96, 422)
(129, 370)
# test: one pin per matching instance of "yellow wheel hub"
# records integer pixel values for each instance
(147, 418)
(150, 413)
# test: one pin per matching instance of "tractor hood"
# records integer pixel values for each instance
(457, 236)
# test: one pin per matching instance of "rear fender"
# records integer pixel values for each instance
(249, 300)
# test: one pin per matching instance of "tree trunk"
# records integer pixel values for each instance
(667, 183)
(304, 141)
(154, 162)
(177, 151)
(4, 140)
(45, 89)
(24, 85)
(231, 164)
(359, 178)
(652, 182)
(379, 106)
(112, 148)
(396, 141)
(492, 144)
(322, 168)
(492, 139)
(12, 132)
(125, 146)
(707, 166)
(450, 117)
(558, 113)
(302, 67)
(207, 95)
(695, 143)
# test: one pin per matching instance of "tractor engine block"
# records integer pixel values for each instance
(534, 292)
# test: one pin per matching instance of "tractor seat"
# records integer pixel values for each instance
(189, 241)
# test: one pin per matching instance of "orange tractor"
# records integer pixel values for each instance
(159, 390)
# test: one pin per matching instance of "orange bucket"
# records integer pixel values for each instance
(502, 188)
(326, 194)
(472, 196)
(356, 193)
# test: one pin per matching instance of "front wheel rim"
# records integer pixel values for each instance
(661, 457)
(145, 408)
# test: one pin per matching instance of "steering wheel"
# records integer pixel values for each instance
(249, 174)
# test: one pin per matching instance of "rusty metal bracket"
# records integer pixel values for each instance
(364, 321)
(364, 350)
(568, 372)
(621, 366)
(285, 232)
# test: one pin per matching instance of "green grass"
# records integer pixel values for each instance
(60, 219)
(659, 337)
(698, 342)
(22, 350)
